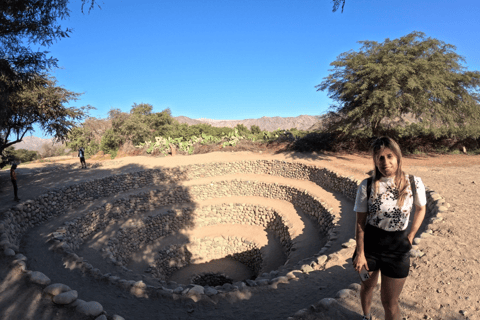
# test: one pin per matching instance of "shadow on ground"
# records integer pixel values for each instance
(24, 300)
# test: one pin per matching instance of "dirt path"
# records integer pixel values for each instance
(443, 285)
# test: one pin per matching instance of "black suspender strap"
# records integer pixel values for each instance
(412, 185)
(369, 189)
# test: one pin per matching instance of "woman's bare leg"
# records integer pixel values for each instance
(366, 291)
(391, 289)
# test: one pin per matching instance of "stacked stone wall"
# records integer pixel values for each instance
(33, 212)
(151, 228)
(18, 219)
(176, 257)
(45, 207)
(129, 240)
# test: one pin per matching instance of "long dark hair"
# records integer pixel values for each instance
(400, 181)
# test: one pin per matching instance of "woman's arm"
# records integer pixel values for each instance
(360, 261)
(417, 221)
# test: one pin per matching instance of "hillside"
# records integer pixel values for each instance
(302, 122)
(32, 143)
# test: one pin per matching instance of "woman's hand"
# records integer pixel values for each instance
(417, 222)
(410, 238)
(360, 262)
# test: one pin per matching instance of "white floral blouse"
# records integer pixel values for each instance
(383, 211)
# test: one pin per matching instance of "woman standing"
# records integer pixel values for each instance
(383, 207)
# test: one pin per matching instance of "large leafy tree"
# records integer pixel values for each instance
(141, 124)
(414, 75)
(25, 25)
(39, 101)
(90, 131)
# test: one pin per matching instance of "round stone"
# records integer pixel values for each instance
(66, 297)
(39, 278)
(197, 290)
(56, 288)
(91, 308)
(327, 302)
(322, 259)
(209, 291)
(9, 252)
(355, 286)
(343, 293)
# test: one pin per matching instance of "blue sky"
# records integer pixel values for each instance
(236, 59)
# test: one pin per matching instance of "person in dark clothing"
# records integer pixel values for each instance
(13, 177)
(81, 154)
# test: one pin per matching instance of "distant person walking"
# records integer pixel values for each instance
(81, 154)
(13, 177)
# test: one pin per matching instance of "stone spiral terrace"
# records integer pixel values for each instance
(240, 228)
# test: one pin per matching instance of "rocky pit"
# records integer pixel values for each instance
(144, 232)
(176, 232)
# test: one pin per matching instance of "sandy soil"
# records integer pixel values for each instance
(444, 284)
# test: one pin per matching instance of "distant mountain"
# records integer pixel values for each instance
(303, 122)
(187, 120)
(32, 143)
(265, 123)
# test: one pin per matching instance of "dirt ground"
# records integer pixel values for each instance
(444, 284)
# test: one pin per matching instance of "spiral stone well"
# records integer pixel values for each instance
(151, 228)
(158, 225)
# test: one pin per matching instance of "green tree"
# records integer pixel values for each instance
(142, 109)
(142, 124)
(242, 129)
(21, 155)
(92, 148)
(117, 118)
(28, 23)
(88, 132)
(79, 137)
(39, 101)
(163, 124)
(255, 129)
(27, 28)
(110, 143)
(25, 25)
(136, 127)
(415, 75)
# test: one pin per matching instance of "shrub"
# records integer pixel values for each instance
(22, 155)
(418, 152)
(254, 129)
(91, 149)
(110, 142)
